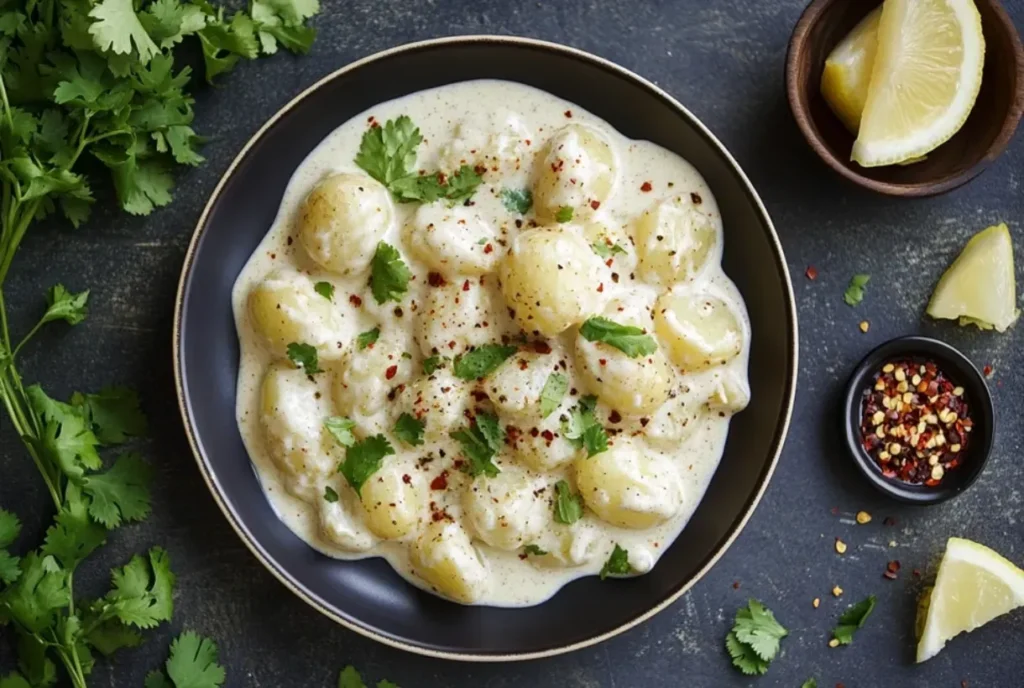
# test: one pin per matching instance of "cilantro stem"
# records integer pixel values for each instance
(24, 340)
(14, 241)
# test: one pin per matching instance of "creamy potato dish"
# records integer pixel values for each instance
(489, 339)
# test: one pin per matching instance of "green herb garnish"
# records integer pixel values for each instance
(410, 430)
(630, 340)
(192, 664)
(582, 428)
(368, 338)
(535, 550)
(754, 639)
(606, 250)
(304, 356)
(564, 214)
(853, 619)
(552, 393)
(568, 506)
(350, 678)
(482, 361)
(854, 293)
(433, 363)
(363, 459)
(481, 442)
(324, 289)
(617, 564)
(389, 275)
(517, 200)
(330, 495)
(341, 429)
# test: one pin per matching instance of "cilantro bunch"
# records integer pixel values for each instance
(90, 93)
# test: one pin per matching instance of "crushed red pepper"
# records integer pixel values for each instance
(915, 422)
(811, 273)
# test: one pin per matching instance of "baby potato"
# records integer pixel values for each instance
(342, 220)
(457, 316)
(675, 241)
(541, 446)
(285, 308)
(676, 421)
(550, 278)
(732, 392)
(361, 383)
(698, 330)
(630, 486)
(515, 387)
(577, 170)
(498, 140)
(394, 506)
(292, 415)
(506, 511)
(444, 556)
(341, 529)
(632, 386)
(439, 400)
(453, 241)
(567, 546)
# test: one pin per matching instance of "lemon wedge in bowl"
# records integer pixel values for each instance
(974, 585)
(925, 79)
(847, 72)
(979, 287)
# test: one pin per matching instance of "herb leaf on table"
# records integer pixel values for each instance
(853, 619)
(755, 638)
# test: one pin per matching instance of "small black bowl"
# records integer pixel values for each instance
(960, 371)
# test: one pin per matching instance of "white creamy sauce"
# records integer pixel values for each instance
(666, 422)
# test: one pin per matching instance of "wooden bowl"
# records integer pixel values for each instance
(983, 137)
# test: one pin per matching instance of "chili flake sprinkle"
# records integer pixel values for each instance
(916, 422)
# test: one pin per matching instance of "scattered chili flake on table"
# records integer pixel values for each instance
(987, 370)
(892, 569)
(915, 422)
(811, 273)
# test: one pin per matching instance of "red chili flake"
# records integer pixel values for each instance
(645, 187)
(465, 286)
(406, 478)
(480, 169)
(987, 370)
(600, 287)
(891, 570)
(479, 396)
(534, 432)
(916, 573)
(523, 364)
(595, 204)
(451, 344)
(614, 417)
(355, 300)
(435, 279)
(834, 510)
(568, 113)
(542, 347)
(440, 482)
(603, 361)
(811, 273)
(488, 249)
(609, 263)
(512, 434)
(548, 436)
(735, 585)
(644, 422)
(391, 372)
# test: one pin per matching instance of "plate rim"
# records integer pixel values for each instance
(213, 484)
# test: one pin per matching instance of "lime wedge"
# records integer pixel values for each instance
(979, 287)
(974, 586)
(847, 73)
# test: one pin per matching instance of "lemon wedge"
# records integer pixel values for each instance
(974, 586)
(844, 81)
(924, 81)
(979, 287)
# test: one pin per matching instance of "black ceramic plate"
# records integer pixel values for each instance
(367, 596)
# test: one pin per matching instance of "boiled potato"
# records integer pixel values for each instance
(675, 241)
(576, 170)
(364, 379)
(339, 526)
(676, 421)
(632, 386)
(292, 414)
(550, 278)
(732, 392)
(567, 546)
(515, 387)
(286, 309)
(444, 556)
(698, 330)
(440, 400)
(453, 241)
(498, 141)
(541, 446)
(342, 220)
(394, 500)
(508, 510)
(630, 485)
(457, 316)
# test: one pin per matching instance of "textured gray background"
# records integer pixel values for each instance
(724, 60)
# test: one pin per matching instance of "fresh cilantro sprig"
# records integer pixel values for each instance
(341, 430)
(350, 678)
(564, 214)
(552, 393)
(582, 428)
(517, 201)
(481, 442)
(628, 339)
(324, 289)
(387, 153)
(192, 664)
(607, 250)
(853, 619)
(481, 361)
(432, 363)
(304, 356)
(617, 564)
(410, 429)
(363, 459)
(568, 505)
(389, 275)
(368, 338)
(534, 550)
(754, 640)
(854, 293)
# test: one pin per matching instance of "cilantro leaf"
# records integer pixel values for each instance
(743, 657)
(117, 27)
(810, 683)
(853, 619)
(517, 200)
(568, 506)
(350, 678)
(67, 439)
(330, 495)
(389, 275)
(564, 214)
(141, 594)
(73, 536)
(854, 293)
(37, 594)
(617, 564)
(481, 361)
(480, 442)
(193, 662)
(122, 492)
(157, 679)
(63, 305)
(114, 414)
(368, 338)
(410, 430)
(13, 680)
(304, 356)
(535, 550)
(111, 635)
(341, 429)
(33, 660)
(606, 249)
(324, 289)
(630, 340)
(552, 393)
(433, 363)
(388, 153)
(461, 185)
(10, 527)
(363, 459)
(582, 428)
(754, 639)
(9, 569)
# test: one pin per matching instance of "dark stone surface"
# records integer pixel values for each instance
(724, 61)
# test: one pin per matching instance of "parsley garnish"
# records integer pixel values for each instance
(568, 506)
(368, 338)
(363, 459)
(630, 340)
(481, 361)
(853, 620)
(535, 550)
(564, 214)
(854, 293)
(324, 289)
(192, 664)
(433, 363)
(754, 639)
(388, 154)
(517, 200)
(63, 305)
(606, 250)
(617, 564)
(481, 441)
(582, 428)
(341, 429)
(409, 430)
(330, 495)
(304, 356)
(389, 275)
(551, 395)
(350, 678)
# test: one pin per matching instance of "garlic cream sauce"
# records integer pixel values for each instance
(511, 123)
